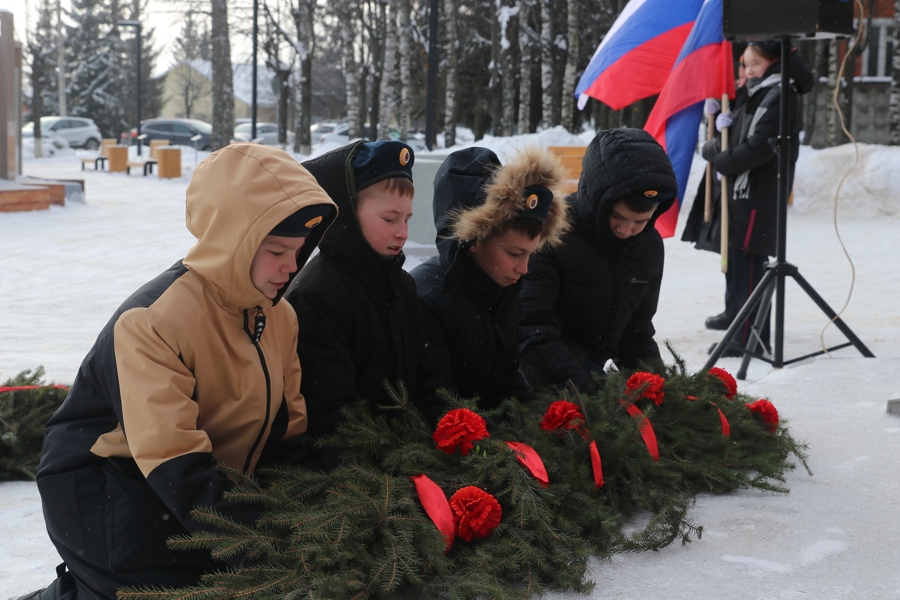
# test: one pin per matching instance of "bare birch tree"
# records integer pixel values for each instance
(303, 41)
(573, 48)
(390, 82)
(506, 13)
(405, 58)
(547, 41)
(222, 79)
(448, 68)
(527, 45)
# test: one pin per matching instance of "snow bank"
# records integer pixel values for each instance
(868, 189)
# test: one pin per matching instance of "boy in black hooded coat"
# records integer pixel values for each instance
(593, 298)
(357, 310)
(471, 319)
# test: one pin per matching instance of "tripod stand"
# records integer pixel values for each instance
(772, 282)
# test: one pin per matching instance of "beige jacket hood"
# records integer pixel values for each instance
(236, 197)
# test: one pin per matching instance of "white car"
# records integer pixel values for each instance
(77, 131)
(266, 133)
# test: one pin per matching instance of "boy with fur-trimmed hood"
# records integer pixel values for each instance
(489, 219)
(592, 299)
(198, 368)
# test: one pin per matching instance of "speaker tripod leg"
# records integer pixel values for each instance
(768, 279)
(838, 322)
(754, 340)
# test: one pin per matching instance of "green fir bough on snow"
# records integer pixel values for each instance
(360, 531)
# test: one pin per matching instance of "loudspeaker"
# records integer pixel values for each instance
(757, 20)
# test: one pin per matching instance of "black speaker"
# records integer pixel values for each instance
(756, 20)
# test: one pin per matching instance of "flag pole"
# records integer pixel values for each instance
(707, 207)
(723, 221)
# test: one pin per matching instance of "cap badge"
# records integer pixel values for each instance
(404, 157)
(532, 201)
(651, 194)
(313, 222)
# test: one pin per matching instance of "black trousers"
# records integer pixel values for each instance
(745, 269)
(111, 530)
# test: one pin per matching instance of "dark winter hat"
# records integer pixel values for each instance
(772, 48)
(377, 161)
(302, 222)
(537, 203)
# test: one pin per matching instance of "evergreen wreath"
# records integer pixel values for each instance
(361, 531)
(26, 404)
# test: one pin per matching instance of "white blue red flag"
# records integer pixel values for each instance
(704, 69)
(636, 56)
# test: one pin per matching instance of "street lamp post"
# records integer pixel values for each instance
(137, 26)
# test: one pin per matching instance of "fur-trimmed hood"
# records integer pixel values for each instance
(475, 196)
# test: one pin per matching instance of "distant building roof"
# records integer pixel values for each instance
(242, 80)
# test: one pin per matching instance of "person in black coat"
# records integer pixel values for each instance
(751, 164)
(593, 298)
(357, 310)
(489, 219)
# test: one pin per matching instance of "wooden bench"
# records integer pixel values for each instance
(147, 165)
(100, 159)
(571, 157)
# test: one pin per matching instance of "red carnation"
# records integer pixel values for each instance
(475, 512)
(458, 429)
(649, 385)
(562, 414)
(766, 411)
(726, 378)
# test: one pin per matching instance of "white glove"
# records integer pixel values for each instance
(711, 106)
(724, 120)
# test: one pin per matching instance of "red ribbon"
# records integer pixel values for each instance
(726, 427)
(645, 428)
(595, 464)
(530, 459)
(20, 388)
(434, 501)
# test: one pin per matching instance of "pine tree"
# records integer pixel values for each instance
(95, 66)
(42, 52)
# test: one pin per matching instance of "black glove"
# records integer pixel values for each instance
(710, 149)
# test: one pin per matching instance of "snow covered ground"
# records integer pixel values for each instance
(836, 535)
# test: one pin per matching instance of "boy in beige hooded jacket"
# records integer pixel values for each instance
(197, 368)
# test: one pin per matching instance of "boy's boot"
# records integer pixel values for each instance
(63, 588)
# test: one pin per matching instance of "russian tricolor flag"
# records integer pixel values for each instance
(703, 69)
(636, 56)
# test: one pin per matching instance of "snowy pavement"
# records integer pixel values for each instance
(836, 535)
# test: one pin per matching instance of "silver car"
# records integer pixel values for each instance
(77, 131)
(266, 133)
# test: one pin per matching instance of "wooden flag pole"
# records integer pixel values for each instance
(723, 221)
(707, 207)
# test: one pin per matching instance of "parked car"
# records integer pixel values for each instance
(178, 131)
(339, 134)
(266, 133)
(317, 130)
(79, 132)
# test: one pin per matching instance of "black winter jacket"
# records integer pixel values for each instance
(470, 320)
(751, 164)
(358, 315)
(593, 298)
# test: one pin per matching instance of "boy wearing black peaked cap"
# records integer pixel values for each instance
(490, 219)
(592, 298)
(355, 304)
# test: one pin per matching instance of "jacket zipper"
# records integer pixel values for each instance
(259, 322)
